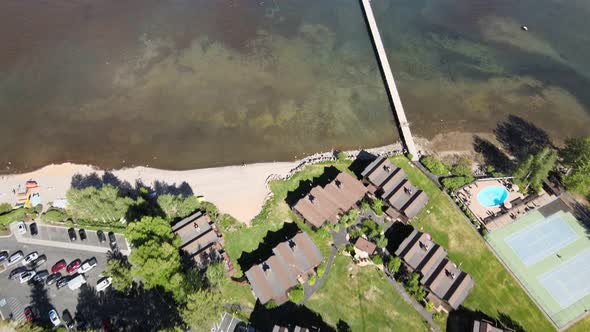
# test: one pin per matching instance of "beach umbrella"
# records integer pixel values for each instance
(515, 187)
(507, 205)
(428, 237)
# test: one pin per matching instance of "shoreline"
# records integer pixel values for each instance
(239, 190)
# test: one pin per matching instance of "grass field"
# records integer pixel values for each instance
(364, 299)
(496, 292)
(529, 275)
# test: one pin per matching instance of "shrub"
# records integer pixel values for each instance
(382, 242)
(271, 305)
(438, 315)
(456, 182)
(394, 264)
(5, 207)
(434, 165)
(324, 232)
(462, 167)
(350, 249)
(414, 288)
(296, 294)
(377, 259)
(410, 156)
(312, 280)
(429, 306)
(355, 233)
(55, 215)
(350, 217)
(365, 206)
(341, 155)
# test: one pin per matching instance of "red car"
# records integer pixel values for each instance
(73, 266)
(29, 314)
(58, 266)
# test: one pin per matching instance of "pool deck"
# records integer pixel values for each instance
(468, 195)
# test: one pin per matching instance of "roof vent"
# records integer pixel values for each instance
(266, 268)
(424, 246)
(292, 244)
(197, 227)
(311, 198)
(338, 183)
(451, 274)
(387, 168)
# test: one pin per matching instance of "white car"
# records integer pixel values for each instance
(54, 317)
(87, 265)
(22, 228)
(103, 283)
(30, 258)
(27, 276)
(17, 256)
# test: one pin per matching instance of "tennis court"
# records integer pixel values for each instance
(550, 255)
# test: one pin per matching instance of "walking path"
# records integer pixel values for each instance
(390, 82)
(409, 299)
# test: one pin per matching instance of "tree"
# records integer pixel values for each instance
(121, 274)
(382, 242)
(365, 206)
(371, 228)
(296, 294)
(350, 217)
(176, 206)
(203, 309)
(271, 304)
(576, 156)
(394, 264)
(414, 288)
(456, 182)
(533, 170)
(462, 167)
(216, 275)
(429, 306)
(312, 280)
(155, 257)
(321, 269)
(377, 259)
(378, 206)
(434, 166)
(104, 205)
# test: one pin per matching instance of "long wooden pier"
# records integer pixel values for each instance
(406, 134)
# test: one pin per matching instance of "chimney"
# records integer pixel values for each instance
(266, 268)
(311, 198)
(338, 183)
(292, 245)
(451, 275)
(387, 168)
(196, 226)
(424, 246)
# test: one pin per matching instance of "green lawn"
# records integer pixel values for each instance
(364, 299)
(496, 292)
(581, 326)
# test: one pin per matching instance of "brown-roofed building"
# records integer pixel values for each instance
(390, 183)
(201, 239)
(327, 204)
(292, 262)
(486, 326)
(364, 248)
(447, 285)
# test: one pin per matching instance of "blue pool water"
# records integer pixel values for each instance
(492, 196)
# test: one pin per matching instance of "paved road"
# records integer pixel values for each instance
(17, 296)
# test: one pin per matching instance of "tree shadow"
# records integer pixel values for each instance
(343, 326)
(493, 155)
(305, 186)
(41, 305)
(462, 319)
(396, 234)
(142, 310)
(521, 138)
(158, 188)
(287, 315)
(264, 250)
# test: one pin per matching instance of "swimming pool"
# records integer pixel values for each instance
(492, 196)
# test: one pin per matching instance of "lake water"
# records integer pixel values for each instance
(187, 84)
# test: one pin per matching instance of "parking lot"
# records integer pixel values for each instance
(55, 244)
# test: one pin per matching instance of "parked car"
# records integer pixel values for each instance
(101, 237)
(73, 266)
(76, 281)
(62, 282)
(30, 258)
(41, 276)
(58, 266)
(112, 241)
(52, 278)
(67, 318)
(38, 262)
(88, 265)
(22, 228)
(82, 233)
(33, 229)
(29, 314)
(17, 256)
(54, 317)
(72, 234)
(27, 276)
(15, 274)
(3, 256)
(103, 283)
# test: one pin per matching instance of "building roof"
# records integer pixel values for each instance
(274, 277)
(379, 171)
(198, 237)
(439, 275)
(324, 204)
(449, 283)
(416, 204)
(365, 245)
(485, 326)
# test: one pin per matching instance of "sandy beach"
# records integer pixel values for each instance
(237, 190)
